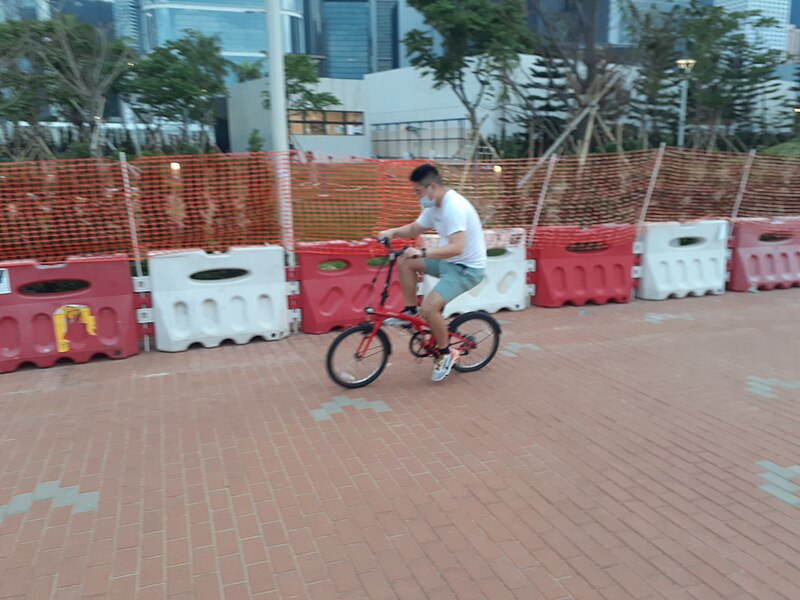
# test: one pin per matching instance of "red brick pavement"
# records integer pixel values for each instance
(615, 462)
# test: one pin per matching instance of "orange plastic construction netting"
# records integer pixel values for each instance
(51, 210)
(209, 201)
(694, 184)
(772, 188)
(96, 207)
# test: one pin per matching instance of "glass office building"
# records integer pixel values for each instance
(347, 44)
(24, 9)
(353, 37)
(127, 16)
(241, 25)
(387, 40)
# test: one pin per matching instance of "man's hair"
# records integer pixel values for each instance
(426, 174)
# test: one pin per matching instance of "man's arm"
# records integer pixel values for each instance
(454, 247)
(411, 230)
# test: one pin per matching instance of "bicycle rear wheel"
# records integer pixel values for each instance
(482, 334)
(350, 363)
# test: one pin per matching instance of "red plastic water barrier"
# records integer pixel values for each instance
(576, 266)
(336, 286)
(765, 254)
(40, 323)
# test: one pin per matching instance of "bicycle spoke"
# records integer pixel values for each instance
(349, 367)
(477, 342)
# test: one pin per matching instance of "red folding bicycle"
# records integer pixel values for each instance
(358, 355)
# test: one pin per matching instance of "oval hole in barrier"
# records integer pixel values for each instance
(686, 241)
(332, 265)
(775, 236)
(496, 252)
(58, 286)
(587, 247)
(218, 274)
(378, 261)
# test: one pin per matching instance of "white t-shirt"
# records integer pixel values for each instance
(457, 214)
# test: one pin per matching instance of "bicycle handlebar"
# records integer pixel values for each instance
(387, 243)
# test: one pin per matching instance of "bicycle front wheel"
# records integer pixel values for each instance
(354, 360)
(481, 337)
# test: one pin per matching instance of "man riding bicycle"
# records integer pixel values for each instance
(459, 262)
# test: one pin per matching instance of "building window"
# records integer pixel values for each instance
(327, 122)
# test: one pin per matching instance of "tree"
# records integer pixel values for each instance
(475, 38)
(576, 75)
(655, 93)
(301, 76)
(23, 91)
(728, 85)
(63, 66)
(749, 73)
(731, 73)
(541, 103)
(247, 71)
(255, 143)
(85, 66)
(180, 81)
(796, 90)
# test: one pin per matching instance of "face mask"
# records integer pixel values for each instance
(427, 202)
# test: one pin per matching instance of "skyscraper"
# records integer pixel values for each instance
(566, 20)
(99, 13)
(408, 19)
(347, 45)
(386, 46)
(127, 21)
(24, 9)
(353, 37)
(775, 37)
(619, 16)
(241, 25)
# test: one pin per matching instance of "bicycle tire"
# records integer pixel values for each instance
(494, 329)
(364, 329)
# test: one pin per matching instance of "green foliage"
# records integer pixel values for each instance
(59, 68)
(473, 37)
(76, 150)
(656, 96)
(255, 143)
(301, 76)
(247, 71)
(543, 101)
(790, 148)
(23, 78)
(731, 73)
(180, 80)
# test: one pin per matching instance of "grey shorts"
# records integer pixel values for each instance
(454, 279)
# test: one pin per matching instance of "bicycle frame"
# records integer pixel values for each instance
(378, 315)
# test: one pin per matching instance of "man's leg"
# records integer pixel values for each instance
(407, 270)
(432, 312)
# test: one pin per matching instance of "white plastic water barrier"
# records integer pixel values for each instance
(208, 298)
(682, 259)
(503, 287)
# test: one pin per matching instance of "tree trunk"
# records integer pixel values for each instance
(95, 127)
(713, 137)
(531, 139)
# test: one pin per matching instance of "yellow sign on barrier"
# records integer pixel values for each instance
(72, 313)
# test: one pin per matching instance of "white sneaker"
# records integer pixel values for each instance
(395, 322)
(443, 364)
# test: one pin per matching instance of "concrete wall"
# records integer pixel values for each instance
(246, 113)
(402, 96)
